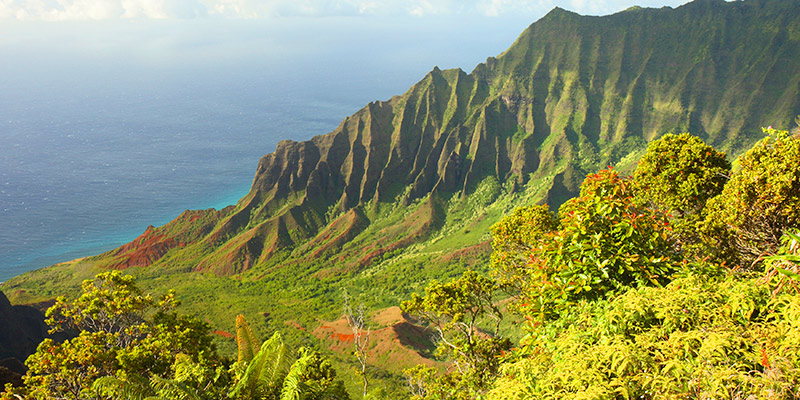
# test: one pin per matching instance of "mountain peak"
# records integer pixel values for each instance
(558, 12)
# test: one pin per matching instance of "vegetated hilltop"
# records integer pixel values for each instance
(405, 189)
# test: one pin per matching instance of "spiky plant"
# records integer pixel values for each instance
(263, 371)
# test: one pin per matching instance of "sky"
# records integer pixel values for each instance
(83, 10)
(44, 41)
(42, 33)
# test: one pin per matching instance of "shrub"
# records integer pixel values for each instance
(679, 173)
(694, 338)
(605, 245)
(761, 201)
(514, 236)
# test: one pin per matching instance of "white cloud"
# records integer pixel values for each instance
(64, 9)
(153, 9)
(253, 9)
(423, 8)
(498, 8)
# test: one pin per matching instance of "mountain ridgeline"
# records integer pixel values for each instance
(573, 94)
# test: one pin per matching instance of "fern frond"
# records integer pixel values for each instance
(293, 385)
(245, 339)
(265, 372)
(279, 362)
(134, 388)
(174, 390)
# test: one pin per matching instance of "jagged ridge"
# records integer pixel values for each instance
(571, 94)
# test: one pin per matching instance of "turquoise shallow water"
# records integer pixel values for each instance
(97, 144)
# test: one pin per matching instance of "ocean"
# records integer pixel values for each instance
(106, 128)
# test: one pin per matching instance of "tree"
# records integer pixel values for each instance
(606, 244)
(457, 310)
(120, 332)
(761, 201)
(357, 322)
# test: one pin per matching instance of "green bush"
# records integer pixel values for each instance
(695, 338)
(677, 176)
(761, 201)
(513, 238)
(605, 245)
(679, 173)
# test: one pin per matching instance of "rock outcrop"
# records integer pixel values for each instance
(22, 328)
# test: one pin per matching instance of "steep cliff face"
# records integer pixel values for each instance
(572, 94)
(719, 70)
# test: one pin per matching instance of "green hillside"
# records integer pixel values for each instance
(404, 191)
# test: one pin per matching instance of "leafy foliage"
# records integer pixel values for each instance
(191, 381)
(457, 310)
(312, 377)
(109, 303)
(605, 244)
(261, 377)
(514, 236)
(697, 337)
(246, 340)
(783, 270)
(677, 176)
(762, 199)
(425, 383)
(679, 173)
(270, 373)
(120, 333)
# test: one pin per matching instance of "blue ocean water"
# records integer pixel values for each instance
(101, 138)
(84, 175)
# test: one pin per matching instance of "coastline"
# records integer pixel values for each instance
(83, 249)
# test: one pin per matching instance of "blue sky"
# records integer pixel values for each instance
(38, 37)
(34, 32)
(54, 10)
